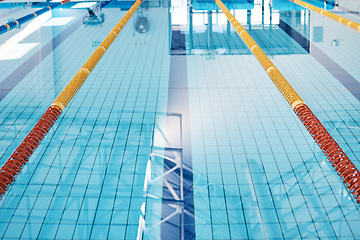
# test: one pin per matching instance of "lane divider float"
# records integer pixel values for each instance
(13, 24)
(20, 156)
(353, 25)
(345, 168)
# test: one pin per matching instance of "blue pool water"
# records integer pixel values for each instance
(178, 133)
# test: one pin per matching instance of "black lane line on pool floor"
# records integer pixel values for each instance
(178, 102)
(9, 83)
(345, 78)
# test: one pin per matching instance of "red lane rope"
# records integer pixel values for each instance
(347, 171)
(19, 158)
(21, 155)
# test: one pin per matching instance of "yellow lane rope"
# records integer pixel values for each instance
(353, 25)
(347, 171)
(285, 88)
(21, 155)
(76, 82)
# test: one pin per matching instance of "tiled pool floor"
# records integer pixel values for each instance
(187, 95)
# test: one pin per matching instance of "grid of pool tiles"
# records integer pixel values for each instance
(257, 172)
(86, 179)
(346, 49)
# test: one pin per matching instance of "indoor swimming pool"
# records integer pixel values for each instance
(179, 132)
